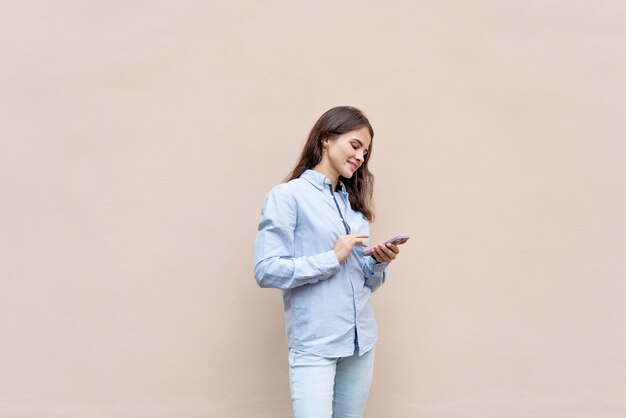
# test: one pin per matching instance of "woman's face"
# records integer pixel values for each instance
(346, 153)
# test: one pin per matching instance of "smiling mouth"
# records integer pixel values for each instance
(353, 165)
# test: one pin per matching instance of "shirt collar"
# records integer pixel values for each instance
(319, 180)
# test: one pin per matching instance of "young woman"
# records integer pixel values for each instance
(310, 244)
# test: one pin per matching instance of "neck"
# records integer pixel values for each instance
(332, 176)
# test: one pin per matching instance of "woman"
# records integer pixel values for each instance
(310, 243)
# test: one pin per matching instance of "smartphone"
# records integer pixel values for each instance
(400, 239)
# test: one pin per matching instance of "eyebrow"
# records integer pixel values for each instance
(360, 142)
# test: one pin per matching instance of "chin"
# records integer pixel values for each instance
(347, 174)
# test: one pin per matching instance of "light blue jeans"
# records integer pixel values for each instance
(324, 387)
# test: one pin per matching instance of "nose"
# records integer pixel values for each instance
(360, 157)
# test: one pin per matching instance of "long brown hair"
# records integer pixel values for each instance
(331, 124)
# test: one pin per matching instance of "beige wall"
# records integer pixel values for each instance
(138, 140)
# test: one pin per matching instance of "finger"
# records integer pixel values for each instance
(388, 252)
(377, 257)
(380, 255)
(360, 235)
(361, 243)
(394, 248)
(385, 253)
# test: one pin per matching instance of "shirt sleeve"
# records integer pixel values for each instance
(274, 263)
(374, 272)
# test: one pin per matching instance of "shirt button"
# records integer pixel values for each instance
(351, 271)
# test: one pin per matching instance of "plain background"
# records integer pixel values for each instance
(139, 138)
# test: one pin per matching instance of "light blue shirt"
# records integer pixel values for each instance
(327, 304)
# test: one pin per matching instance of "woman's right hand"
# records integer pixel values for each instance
(344, 245)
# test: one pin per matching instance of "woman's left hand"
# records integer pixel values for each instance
(385, 253)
